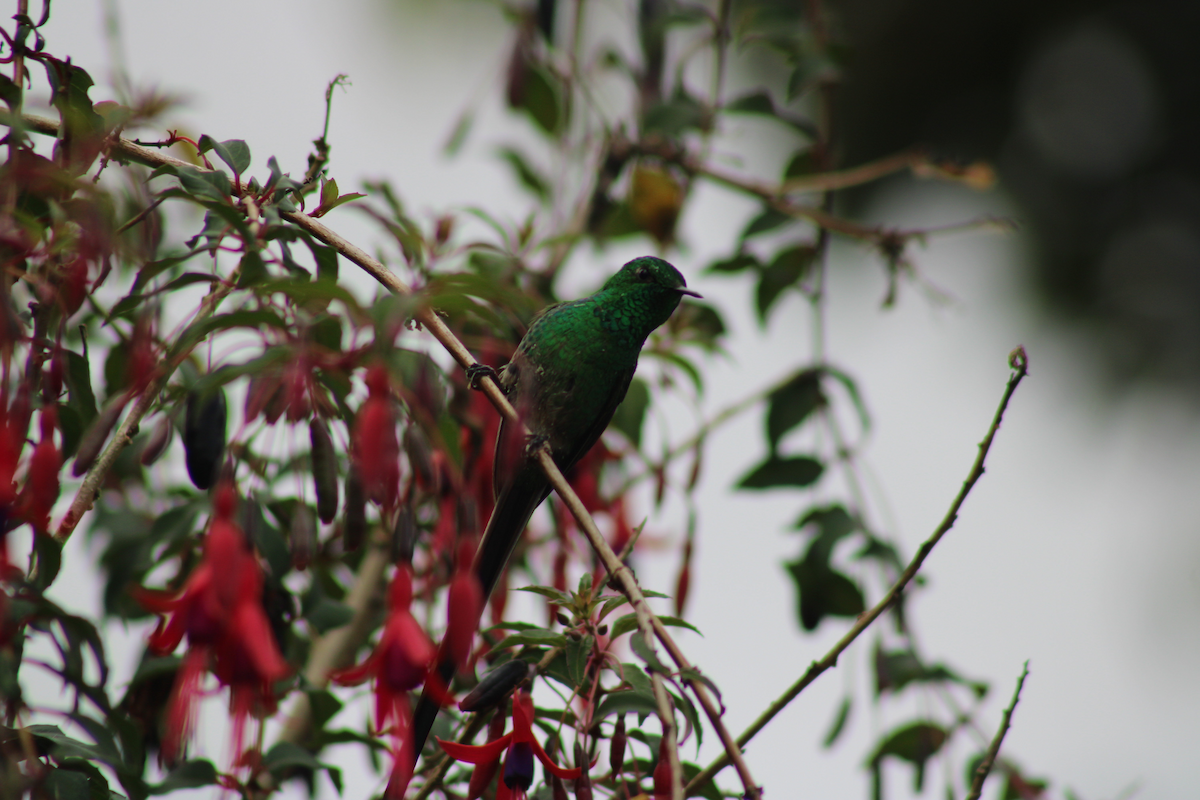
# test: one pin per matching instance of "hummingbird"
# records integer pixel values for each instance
(565, 380)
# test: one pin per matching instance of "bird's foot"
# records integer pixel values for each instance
(477, 372)
(534, 443)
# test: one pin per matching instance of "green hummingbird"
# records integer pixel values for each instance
(566, 379)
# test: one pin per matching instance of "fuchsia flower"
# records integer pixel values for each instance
(464, 607)
(376, 450)
(220, 611)
(401, 661)
(518, 748)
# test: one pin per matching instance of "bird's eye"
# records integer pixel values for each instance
(642, 274)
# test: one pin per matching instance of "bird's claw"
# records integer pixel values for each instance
(534, 443)
(477, 372)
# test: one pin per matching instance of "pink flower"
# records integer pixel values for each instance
(401, 661)
(518, 748)
(220, 611)
(464, 607)
(376, 450)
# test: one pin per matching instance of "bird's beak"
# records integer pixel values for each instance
(689, 292)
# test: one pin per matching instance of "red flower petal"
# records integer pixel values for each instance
(477, 753)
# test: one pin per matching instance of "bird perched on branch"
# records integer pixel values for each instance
(565, 381)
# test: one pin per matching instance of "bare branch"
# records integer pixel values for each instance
(1020, 365)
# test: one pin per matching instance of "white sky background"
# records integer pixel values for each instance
(1076, 550)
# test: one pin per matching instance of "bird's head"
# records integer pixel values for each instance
(651, 275)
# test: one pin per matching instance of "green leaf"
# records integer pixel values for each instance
(630, 415)
(48, 561)
(200, 329)
(735, 263)
(767, 221)
(776, 471)
(78, 378)
(896, 669)
(915, 743)
(188, 775)
(832, 520)
(65, 784)
(288, 754)
(10, 93)
(554, 595)
(786, 270)
(234, 152)
(708, 790)
(458, 134)
(578, 652)
(646, 653)
(251, 269)
(839, 723)
(629, 623)
(792, 403)
(72, 430)
(534, 638)
(802, 163)
(753, 103)
(823, 592)
(327, 614)
(675, 116)
(266, 537)
(527, 175)
(625, 701)
(64, 746)
(212, 185)
(542, 98)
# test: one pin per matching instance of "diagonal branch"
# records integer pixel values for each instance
(1020, 365)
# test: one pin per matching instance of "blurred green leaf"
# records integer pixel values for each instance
(631, 413)
(327, 614)
(251, 270)
(789, 471)
(542, 98)
(769, 219)
(792, 403)
(735, 263)
(823, 592)
(786, 270)
(915, 743)
(627, 623)
(78, 378)
(676, 116)
(188, 775)
(527, 175)
(535, 638)
(839, 723)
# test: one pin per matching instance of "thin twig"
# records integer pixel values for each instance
(331, 650)
(87, 493)
(989, 759)
(1020, 365)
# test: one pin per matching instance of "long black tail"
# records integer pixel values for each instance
(515, 505)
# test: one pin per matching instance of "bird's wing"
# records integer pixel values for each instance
(620, 386)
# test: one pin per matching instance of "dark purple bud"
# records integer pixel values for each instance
(495, 686)
(518, 766)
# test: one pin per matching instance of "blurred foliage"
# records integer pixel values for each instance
(1089, 109)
